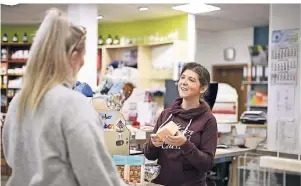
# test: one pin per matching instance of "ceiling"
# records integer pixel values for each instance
(230, 16)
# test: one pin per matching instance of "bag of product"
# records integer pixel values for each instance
(120, 162)
(134, 170)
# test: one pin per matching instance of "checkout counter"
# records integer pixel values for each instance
(123, 139)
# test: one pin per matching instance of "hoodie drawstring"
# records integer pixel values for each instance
(184, 132)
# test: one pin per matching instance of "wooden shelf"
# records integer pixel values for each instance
(15, 75)
(136, 45)
(255, 83)
(15, 44)
(258, 106)
(17, 61)
(159, 43)
(117, 46)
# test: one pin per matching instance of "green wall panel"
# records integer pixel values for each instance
(19, 30)
(143, 28)
(146, 28)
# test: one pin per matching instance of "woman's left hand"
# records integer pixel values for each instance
(178, 140)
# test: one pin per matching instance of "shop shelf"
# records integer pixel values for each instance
(255, 82)
(17, 61)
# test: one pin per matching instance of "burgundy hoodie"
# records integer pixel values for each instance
(186, 165)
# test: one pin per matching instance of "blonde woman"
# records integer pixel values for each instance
(51, 135)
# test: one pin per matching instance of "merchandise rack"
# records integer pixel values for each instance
(6, 64)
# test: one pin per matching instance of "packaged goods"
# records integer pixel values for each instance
(169, 129)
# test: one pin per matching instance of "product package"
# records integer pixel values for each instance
(120, 162)
(169, 129)
(134, 173)
(130, 168)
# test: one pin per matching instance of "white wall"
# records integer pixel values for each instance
(85, 15)
(191, 37)
(282, 17)
(211, 45)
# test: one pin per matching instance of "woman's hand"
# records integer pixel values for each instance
(156, 141)
(178, 140)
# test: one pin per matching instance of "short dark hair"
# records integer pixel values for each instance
(202, 72)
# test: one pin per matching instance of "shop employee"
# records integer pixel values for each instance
(186, 157)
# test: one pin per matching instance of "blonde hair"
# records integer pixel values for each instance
(48, 63)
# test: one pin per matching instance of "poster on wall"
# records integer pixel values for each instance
(284, 56)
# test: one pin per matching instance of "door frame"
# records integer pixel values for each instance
(226, 66)
(215, 69)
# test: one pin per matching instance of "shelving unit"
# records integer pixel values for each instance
(147, 55)
(254, 86)
(12, 68)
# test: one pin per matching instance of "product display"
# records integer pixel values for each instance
(3, 54)
(20, 54)
(151, 172)
(116, 40)
(169, 129)
(130, 168)
(134, 173)
(109, 40)
(15, 38)
(25, 38)
(5, 38)
(100, 40)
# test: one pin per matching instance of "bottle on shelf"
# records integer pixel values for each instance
(259, 72)
(15, 38)
(25, 38)
(249, 73)
(245, 73)
(100, 40)
(266, 73)
(254, 73)
(5, 38)
(116, 40)
(109, 40)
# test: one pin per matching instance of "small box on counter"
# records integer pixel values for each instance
(120, 162)
(130, 168)
(169, 129)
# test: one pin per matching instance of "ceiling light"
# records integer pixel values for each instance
(196, 8)
(10, 3)
(141, 9)
(99, 17)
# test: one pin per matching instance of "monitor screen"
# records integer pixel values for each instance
(172, 93)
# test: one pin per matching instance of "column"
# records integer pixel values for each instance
(282, 17)
(191, 37)
(86, 15)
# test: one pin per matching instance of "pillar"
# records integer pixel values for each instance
(283, 16)
(191, 37)
(86, 15)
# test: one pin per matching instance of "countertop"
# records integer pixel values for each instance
(222, 153)
(231, 152)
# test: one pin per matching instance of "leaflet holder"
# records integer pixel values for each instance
(116, 134)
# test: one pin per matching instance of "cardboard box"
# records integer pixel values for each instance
(169, 129)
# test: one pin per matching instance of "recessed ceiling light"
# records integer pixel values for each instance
(141, 9)
(196, 8)
(10, 3)
(99, 17)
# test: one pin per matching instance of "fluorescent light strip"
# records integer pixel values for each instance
(99, 17)
(143, 9)
(10, 4)
(196, 8)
